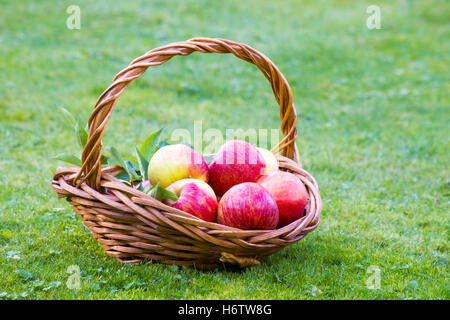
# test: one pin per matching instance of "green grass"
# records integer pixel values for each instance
(373, 129)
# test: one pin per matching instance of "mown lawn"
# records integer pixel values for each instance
(373, 129)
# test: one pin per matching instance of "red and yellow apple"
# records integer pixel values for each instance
(288, 192)
(269, 159)
(248, 206)
(175, 162)
(236, 162)
(195, 197)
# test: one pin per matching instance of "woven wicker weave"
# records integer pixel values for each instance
(133, 226)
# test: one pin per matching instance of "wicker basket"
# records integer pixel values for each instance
(133, 227)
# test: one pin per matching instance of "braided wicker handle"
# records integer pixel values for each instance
(92, 152)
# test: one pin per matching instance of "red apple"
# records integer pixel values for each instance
(236, 162)
(175, 162)
(270, 161)
(195, 197)
(289, 193)
(248, 206)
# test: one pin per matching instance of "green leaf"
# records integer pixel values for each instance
(133, 164)
(114, 162)
(104, 159)
(123, 176)
(130, 158)
(150, 145)
(68, 115)
(160, 193)
(117, 157)
(68, 158)
(125, 164)
(131, 170)
(149, 188)
(81, 133)
(120, 161)
(143, 164)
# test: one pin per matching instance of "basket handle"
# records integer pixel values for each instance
(91, 157)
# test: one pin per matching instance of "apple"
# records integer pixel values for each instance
(269, 159)
(289, 193)
(175, 162)
(195, 197)
(248, 206)
(236, 162)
